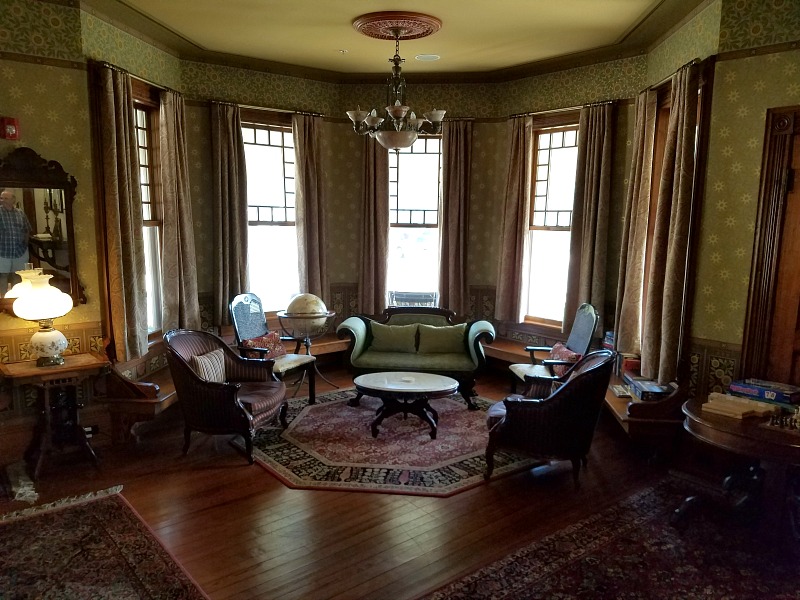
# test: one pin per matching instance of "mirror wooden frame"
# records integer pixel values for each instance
(24, 168)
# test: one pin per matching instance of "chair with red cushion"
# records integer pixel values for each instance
(219, 391)
(540, 375)
(254, 340)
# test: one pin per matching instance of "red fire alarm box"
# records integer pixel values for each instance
(9, 128)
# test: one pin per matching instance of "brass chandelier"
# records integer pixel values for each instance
(401, 126)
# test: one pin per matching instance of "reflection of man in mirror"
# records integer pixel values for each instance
(14, 232)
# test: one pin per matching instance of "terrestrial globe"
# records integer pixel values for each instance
(306, 316)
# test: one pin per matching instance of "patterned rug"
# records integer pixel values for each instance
(631, 551)
(89, 547)
(329, 446)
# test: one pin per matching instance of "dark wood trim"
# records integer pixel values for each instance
(42, 60)
(266, 117)
(758, 51)
(773, 189)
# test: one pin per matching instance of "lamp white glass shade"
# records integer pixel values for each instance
(24, 284)
(373, 121)
(397, 111)
(392, 140)
(435, 116)
(357, 116)
(42, 301)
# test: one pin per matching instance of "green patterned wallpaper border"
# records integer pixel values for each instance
(698, 38)
(752, 23)
(44, 29)
(103, 41)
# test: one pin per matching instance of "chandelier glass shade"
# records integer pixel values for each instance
(401, 126)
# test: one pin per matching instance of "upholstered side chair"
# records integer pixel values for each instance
(255, 340)
(558, 427)
(562, 357)
(220, 392)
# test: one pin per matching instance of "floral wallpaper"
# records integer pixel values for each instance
(752, 23)
(743, 91)
(52, 106)
(622, 78)
(41, 29)
(698, 38)
(102, 41)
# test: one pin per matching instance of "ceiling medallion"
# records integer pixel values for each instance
(394, 24)
(401, 126)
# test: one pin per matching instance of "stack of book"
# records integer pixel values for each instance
(737, 407)
(782, 394)
(608, 340)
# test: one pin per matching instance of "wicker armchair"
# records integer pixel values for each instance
(559, 427)
(244, 398)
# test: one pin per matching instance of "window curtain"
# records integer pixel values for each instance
(374, 229)
(511, 287)
(229, 208)
(122, 213)
(589, 239)
(665, 299)
(310, 202)
(180, 307)
(634, 230)
(454, 224)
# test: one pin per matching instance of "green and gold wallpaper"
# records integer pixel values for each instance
(41, 29)
(752, 23)
(698, 38)
(743, 91)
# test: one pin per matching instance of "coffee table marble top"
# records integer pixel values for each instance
(409, 382)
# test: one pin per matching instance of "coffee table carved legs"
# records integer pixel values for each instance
(418, 406)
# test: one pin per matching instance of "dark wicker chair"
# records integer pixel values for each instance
(247, 400)
(559, 427)
(536, 373)
(249, 321)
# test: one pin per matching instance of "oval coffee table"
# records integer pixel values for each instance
(407, 393)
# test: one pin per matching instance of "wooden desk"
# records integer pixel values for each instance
(776, 484)
(58, 422)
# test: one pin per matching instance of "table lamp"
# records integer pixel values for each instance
(43, 302)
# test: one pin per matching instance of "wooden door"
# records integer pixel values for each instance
(783, 362)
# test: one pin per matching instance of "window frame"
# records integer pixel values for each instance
(566, 120)
(395, 211)
(271, 121)
(146, 98)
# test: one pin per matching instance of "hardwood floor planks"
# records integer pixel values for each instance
(242, 534)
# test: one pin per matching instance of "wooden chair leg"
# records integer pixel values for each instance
(489, 463)
(282, 414)
(248, 446)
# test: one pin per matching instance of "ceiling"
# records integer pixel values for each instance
(315, 38)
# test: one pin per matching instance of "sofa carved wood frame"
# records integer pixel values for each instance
(466, 379)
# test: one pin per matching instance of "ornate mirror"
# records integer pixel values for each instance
(44, 192)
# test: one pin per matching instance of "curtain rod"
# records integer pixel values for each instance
(558, 110)
(158, 86)
(694, 61)
(281, 110)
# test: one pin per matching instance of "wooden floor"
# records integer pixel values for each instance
(242, 534)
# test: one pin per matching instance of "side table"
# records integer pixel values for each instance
(58, 423)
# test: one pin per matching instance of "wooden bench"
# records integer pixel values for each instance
(130, 402)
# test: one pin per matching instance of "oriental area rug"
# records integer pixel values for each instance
(329, 446)
(94, 546)
(631, 551)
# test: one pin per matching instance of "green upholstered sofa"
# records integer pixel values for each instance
(418, 339)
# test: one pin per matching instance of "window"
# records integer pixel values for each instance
(415, 190)
(549, 229)
(146, 125)
(272, 255)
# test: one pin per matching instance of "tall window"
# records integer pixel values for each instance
(415, 190)
(146, 114)
(272, 255)
(550, 223)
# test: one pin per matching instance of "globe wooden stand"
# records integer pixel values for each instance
(305, 327)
